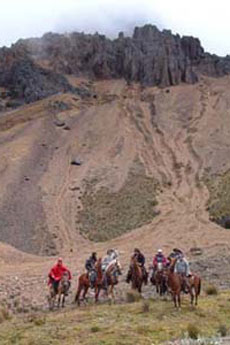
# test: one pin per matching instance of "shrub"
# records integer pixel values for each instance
(193, 331)
(211, 290)
(95, 329)
(222, 330)
(145, 307)
(5, 314)
(132, 296)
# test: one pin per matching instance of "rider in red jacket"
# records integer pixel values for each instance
(56, 274)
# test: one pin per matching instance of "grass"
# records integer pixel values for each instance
(121, 324)
(106, 215)
(219, 200)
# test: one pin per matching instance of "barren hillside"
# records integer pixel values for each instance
(144, 155)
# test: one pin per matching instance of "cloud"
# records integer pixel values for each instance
(204, 19)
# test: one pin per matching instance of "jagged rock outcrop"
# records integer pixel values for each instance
(28, 82)
(150, 56)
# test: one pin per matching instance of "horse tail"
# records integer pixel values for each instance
(77, 295)
(199, 287)
(79, 288)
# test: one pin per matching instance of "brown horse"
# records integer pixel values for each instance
(194, 285)
(84, 284)
(137, 276)
(158, 279)
(111, 278)
(176, 283)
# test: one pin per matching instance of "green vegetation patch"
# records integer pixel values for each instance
(219, 200)
(106, 214)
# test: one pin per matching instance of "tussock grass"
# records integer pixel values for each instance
(211, 290)
(193, 331)
(222, 330)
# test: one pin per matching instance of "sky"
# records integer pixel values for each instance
(205, 19)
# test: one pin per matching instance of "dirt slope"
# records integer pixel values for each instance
(177, 135)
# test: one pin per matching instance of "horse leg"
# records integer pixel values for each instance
(63, 300)
(59, 299)
(86, 288)
(197, 290)
(157, 287)
(77, 297)
(196, 298)
(111, 292)
(174, 299)
(139, 287)
(192, 295)
(97, 291)
(179, 299)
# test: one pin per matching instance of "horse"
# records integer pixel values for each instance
(62, 290)
(137, 276)
(194, 285)
(159, 279)
(111, 278)
(176, 284)
(84, 283)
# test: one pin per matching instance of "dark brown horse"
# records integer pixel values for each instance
(84, 284)
(159, 279)
(137, 276)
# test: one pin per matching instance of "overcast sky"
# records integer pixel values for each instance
(208, 20)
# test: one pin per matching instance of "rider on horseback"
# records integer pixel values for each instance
(90, 267)
(141, 261)
(175, 254)
(182, 266)
(108, 260)
(183, 269)
(159, 258)
(56, 274)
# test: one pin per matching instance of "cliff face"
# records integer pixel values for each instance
(150, 56)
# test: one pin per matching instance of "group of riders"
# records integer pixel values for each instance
(160, 262)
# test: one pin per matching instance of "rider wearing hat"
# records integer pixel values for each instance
(141, 261)
(90, 267)
(182, 268)
(159, 258)
(56, 273)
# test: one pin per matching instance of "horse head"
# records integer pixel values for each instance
(65, 284)
(117, 269)
(172, 264)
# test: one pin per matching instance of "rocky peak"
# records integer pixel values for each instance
(151, 57)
